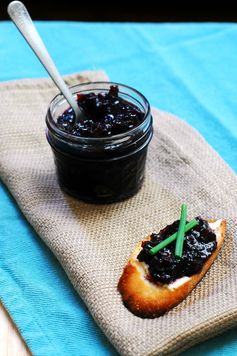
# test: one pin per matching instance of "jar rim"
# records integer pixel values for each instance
(52, 125)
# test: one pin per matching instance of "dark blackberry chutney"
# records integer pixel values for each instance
(164, 267)
(106, 114)
(101, 157)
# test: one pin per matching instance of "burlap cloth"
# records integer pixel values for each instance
(93, 242)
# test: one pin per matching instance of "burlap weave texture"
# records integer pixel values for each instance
(93, 242)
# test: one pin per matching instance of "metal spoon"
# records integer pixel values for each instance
(21, 18)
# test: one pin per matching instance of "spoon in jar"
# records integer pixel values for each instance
(21, 18)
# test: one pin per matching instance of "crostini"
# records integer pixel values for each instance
(152, 284)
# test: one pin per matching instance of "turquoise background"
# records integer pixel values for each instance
(187, 69)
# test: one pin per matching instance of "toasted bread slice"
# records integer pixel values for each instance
(149, 300)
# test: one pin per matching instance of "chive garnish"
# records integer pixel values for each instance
(172, 238)
(180, 233)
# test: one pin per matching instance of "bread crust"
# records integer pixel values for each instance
(149, 300)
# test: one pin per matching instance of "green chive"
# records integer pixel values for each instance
(172, 238)
(180, 233)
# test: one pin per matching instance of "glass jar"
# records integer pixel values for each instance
(104, 169)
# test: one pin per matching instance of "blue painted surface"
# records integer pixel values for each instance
(187, 69)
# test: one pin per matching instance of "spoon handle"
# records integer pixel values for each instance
(21, 18)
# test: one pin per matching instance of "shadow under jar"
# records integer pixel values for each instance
(100, 169)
